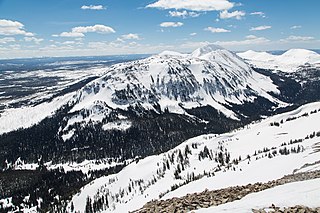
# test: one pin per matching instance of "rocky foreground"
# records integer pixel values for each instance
(208, 198)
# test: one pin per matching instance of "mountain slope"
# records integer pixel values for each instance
(175, 82)
(260, 152)
(212, 77)
(290, 61)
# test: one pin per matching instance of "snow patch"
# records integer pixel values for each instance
(120, 125)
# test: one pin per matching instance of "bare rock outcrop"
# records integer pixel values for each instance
(208, 198)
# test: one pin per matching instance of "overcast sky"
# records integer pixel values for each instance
(33, 28)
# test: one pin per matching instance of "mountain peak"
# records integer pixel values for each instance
(300, 53)
(254, 55)
(206, 49)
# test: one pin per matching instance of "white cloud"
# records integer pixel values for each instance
(250, 40)
(216, 30)
(132, 44)
(80, 31)
(120, 40)
(183, 14)
(251, 37)
(130, 36)
(92, 48)
(93, 7)
(103, 47)
(98, 28)
(171, 24)
(68, 42)
(15, 46)
(235, 14)
(194, 5)
(295, 27)
(9, 23)
(297, 39)
(259, 13)
(33, 39)
(193, 34)
(259, 28)
(6, 40)
(192, 45)
(8, 27)
(69, 34)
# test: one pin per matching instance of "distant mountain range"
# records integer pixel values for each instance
(279, 52)
(289, 61)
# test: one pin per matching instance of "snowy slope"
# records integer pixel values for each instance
(299, 193)
(172, 81)
(259, 152)
(24, 117)
(257, 56)
(289, 61)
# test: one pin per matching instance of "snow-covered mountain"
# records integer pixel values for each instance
(169, 81)
(172, 81)
(147, 113)
(260, 152)
(290, 61)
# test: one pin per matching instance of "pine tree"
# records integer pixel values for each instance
(88, 208)
(72, 207)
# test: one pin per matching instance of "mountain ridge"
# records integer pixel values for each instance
(290, 61)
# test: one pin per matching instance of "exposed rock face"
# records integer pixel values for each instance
(208, 198)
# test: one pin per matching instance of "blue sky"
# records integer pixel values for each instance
(33, 28)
